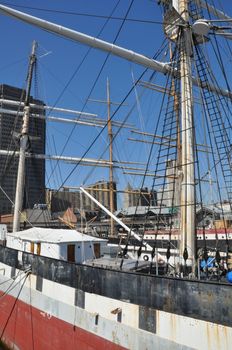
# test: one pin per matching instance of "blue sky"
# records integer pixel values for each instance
(56, 68)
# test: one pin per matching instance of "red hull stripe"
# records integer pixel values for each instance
(30, 329)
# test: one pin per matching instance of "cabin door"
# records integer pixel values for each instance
(38, 248)
(32, 247)
(97, 250)
(71, 252)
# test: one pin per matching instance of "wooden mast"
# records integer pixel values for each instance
(24, 141)
(111, 174)
(187, 247)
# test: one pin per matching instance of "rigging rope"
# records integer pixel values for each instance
(13, 283)
(72, 13)
(93, 86)
(163, 47)
(145, 173)
(14, 304)
(209, 108)
(66, 86)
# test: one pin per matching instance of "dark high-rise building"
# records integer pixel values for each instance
(10, 128)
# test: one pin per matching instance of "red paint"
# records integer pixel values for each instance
(31, 329)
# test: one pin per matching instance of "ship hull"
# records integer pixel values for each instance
(55, 323)
(28, 328)
(62, 305)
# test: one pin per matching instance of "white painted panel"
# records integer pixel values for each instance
(104, 306)
(60, 292)
(200, 334)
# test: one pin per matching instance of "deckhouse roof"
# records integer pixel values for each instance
(50, 235)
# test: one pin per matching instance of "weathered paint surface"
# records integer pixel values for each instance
(173, 312)
(107, 308)
(203, 335)
(51, 308)
(28, 329)
(209, 301)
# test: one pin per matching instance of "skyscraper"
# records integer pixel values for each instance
(10, 128)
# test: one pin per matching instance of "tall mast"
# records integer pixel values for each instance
(24, 141)
(187, 247)
(111, 176)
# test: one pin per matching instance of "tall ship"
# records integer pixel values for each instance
(66, 289)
